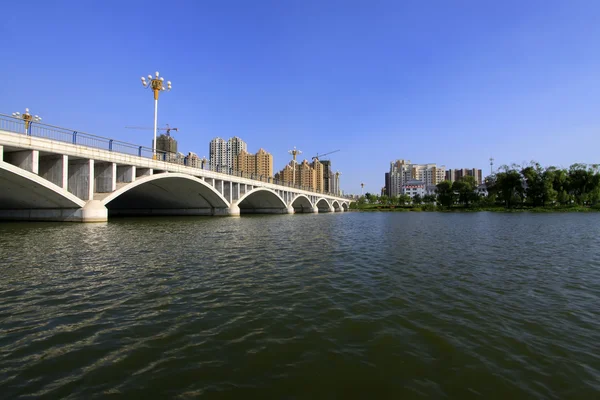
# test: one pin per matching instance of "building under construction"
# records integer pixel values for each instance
(166, 143)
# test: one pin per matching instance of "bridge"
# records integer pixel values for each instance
(48, 173)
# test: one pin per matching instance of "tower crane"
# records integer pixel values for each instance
(321, 155)
(167, 130)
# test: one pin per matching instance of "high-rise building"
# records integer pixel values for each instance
(327, 176)
(259, 164)
(335, 184)
(387, 187)
(319, 170)
(218, 155)
(304, 174)
(223, 153)
(456, 174)
(264, 163)
(402, 171)
(235, 146)
(166, 143)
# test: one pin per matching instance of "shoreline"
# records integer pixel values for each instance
(579, 209)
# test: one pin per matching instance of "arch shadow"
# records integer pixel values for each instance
(262, 201)
(166, 194)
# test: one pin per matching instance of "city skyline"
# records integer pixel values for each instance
(451, 84)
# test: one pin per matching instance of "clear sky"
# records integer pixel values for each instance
(449, 82)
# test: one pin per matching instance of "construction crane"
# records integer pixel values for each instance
(321, 155)
(167, 130)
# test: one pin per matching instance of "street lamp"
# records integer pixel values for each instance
(294, 152)
(337, 183)
(27, 118)
(362, 185)
(157, 85)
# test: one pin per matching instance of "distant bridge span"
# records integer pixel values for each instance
(47, 179)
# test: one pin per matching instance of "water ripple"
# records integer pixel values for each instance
(341, 305)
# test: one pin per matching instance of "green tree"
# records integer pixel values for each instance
(404, 199)
(361, 201)
(429, 199)
(417, 199)
(393, 200)
(465, 187)
(384, 199)
(445, 193)
(508, 186)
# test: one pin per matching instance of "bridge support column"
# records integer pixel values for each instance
(1, 153)
(143, 172)
(290, 210)
(105, 177)
(315, 209)
(29, 160)
(81, 178)
(55, 169)
(125, 173)
(94, 211)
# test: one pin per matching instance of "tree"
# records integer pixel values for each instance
(445, 194)
(417, 199)
(404, 199)
(361, 201)
(508, 185)
(393, 200)
(429, 199)
(384, 199)
(465, 187)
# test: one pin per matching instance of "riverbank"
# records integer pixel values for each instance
(431, 207)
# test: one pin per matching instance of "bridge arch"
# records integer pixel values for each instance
(262, 201)
(23, 190)
(323, 205)
(301, 204)
(336, 206)
(166, 194)
(345, 206)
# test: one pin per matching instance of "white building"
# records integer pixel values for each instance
(481, 190)
(403, 171)
(223, 153)
(218, 154)
(413, 188)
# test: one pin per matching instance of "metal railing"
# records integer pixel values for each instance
(41, 130)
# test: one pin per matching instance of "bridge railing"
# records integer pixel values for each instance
(17, 125)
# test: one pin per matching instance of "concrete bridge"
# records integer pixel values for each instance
(47, 174)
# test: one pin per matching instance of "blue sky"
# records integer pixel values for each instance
(450, 82)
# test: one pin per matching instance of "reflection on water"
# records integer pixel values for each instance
(354, 304)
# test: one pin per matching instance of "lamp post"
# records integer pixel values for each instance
(337, 183)
(294, 152)
(157, 85)
(27, 118)
(362, 185)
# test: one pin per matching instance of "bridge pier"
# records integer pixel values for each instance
(94, 211)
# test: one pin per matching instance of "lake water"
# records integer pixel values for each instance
(368, 305)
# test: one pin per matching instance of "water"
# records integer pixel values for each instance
(371, 305)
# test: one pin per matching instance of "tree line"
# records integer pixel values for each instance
(511, 186)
